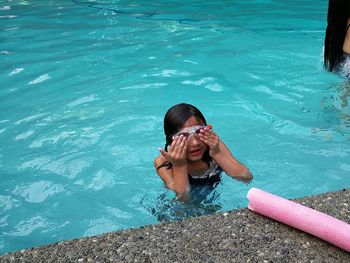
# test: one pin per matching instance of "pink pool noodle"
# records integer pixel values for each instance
(301, 217)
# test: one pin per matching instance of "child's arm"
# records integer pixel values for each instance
(164, 172)
(231, 166)
(223, 157)
(175, 178)
(346, 44)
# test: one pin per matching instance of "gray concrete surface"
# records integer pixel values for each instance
(236, 236)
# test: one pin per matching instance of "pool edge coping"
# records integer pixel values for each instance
(242, 235)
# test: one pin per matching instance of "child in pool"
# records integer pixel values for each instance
(196, 154)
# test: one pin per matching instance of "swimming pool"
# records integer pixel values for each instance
(85, 85)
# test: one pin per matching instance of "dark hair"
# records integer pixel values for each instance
(174, 119)
(338, 14)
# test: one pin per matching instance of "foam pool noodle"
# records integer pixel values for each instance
(301, 217)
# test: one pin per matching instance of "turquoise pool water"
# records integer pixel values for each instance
(85, 85)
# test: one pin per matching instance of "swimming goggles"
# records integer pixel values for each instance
(189, 131)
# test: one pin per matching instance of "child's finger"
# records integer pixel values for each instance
(184, 148)
(174, 143)
(207, 134)
(204, 141)
(205, 131)
(177, 140)
(212, 135)
(177, 146)
(164, 153)
(174, 140)
(181, 144)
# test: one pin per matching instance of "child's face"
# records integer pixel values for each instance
(195, 147)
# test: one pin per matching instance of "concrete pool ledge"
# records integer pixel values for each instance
(235, 236)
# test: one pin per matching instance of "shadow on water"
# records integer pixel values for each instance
(203, 200)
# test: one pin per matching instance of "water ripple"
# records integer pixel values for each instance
(24, 135)
(170, 73)
(99, 226)
(40, 79)
(31, 118)
(7, 202)
(68, 165)
(26, 227)
(207, 82)
(37, 192)
(83, 100)
(145, 86)
(102, 179)
(16, 71)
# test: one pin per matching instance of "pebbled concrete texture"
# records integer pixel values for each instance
(235, 236)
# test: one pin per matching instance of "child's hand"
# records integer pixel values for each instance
(209, 137)
(177, 152)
